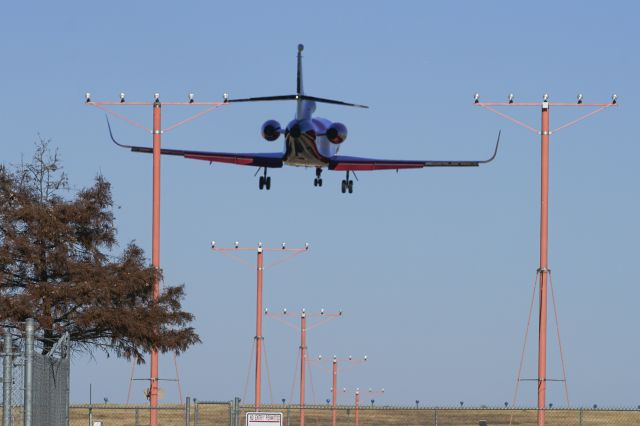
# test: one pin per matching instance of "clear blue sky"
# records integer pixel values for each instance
(433, 268)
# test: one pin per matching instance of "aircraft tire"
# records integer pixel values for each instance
(344, 186)
(315, 182)
(267, 184)
(350, 186)
(261, 182)
(320, 182)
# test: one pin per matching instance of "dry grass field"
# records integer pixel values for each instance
(220, 415)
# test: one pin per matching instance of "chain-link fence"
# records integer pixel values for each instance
(233, 414)
(35, 385)
(230, 413)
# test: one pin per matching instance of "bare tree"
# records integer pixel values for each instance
(57, 266)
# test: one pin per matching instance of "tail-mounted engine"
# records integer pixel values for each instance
(271, 130)
(336, 133)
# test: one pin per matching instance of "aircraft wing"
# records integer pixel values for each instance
(344, 163)
(267, 159)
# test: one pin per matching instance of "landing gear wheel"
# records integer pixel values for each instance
(267, 183)
(315, 182)
(261, 182)
(320, 182)
(350, 186)
(344, 186)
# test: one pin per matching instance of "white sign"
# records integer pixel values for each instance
(264, 419)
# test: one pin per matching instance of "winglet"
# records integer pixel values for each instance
(495, 152)
(111, 135)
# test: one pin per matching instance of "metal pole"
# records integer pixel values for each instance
(28, 371)
(334, 391)
(303, 348)
(196, 412)
(187, 411)
(91, 407)
(7, 379)
(357, 404)
(137, 412)
(544, 249)
(155, 254)
(259, 329)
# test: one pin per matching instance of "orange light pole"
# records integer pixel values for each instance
(259, 337)
(544, 273)
(155, 253)
(156, 132)
(303, 343)
(260, 270)
(303, 356)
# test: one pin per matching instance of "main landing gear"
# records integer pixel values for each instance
(318, 180)
(264, 181)
(347, 185)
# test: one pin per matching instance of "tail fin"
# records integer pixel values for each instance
(299, 96)
(299, 88)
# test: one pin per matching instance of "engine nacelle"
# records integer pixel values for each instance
(336, 133)
(270, 130)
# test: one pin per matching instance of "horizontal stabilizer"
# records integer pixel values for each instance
(296, 98)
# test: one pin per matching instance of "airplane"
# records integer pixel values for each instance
(309, 142)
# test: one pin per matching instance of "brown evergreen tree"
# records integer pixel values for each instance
(56, 266)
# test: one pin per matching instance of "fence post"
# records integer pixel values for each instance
(580, 416)
(137, 417)
(435, 416)
(196, 412)
(7, 379)
(28, 371)
(187, 411)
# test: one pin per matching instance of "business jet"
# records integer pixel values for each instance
(309, 141)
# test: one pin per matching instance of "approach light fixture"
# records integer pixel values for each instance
(340, 312)
(365, 357)
(284, 246)
(190, 98)
(304, 311)
(88, 97)
(237, 244)
(476, 98)
(545, 98)
(350, 357)
(319, 357)
(225, 97)
(284, 311)
(580, 98)
(614, 98)
(157, 97)
(306, 246)
(121, 97)
(259, 244)
(213, 244)
(322, 311)
(510, 98)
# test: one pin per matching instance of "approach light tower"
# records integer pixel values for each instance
(543, 275)
(350, 362)
(156, 131)
(322, 317)
(229, 251)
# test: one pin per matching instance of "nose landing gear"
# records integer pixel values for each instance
(264, 181)
(318, 180)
